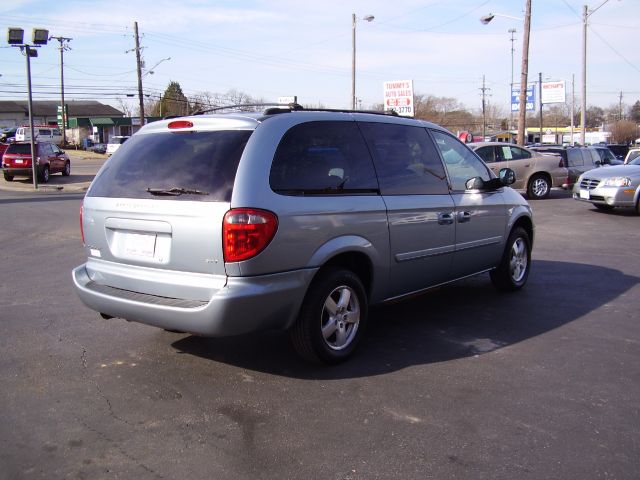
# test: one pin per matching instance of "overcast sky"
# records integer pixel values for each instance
(275, 48)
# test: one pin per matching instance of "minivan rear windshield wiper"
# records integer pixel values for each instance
(175, 191)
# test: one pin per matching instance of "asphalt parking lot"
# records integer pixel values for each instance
(463, 382)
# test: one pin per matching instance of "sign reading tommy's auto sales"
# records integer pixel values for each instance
(398, 96)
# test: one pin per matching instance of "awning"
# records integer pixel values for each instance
(104, 121)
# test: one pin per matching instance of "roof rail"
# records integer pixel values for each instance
(276, 108)
(286, 106)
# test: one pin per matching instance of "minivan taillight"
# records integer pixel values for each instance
(246, 232)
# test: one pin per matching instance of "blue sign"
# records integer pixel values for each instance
(531, 98)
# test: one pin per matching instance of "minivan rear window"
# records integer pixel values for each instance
(188, 166)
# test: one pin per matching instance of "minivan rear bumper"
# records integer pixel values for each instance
(242, 305)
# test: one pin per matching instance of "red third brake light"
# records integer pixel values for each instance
(246, 232)
(180, 124)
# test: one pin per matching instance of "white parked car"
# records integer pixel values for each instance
(114, 143)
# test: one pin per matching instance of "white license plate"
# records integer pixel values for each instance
(584, 194)
(139, 245)
(19, 160)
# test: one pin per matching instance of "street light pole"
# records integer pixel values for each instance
(522, 101)
(368, 18)
(15, 39)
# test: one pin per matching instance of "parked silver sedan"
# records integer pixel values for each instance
(607, 188)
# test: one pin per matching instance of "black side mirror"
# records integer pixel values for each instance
(507, 176)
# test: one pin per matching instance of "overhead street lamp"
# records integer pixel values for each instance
(354, 19)
(39, 37)
(151, 71)
(522, 109)
(586, 13)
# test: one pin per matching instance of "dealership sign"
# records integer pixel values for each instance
(531, 98)
(553, 92)
(398, 96)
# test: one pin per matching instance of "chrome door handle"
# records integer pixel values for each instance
(445, 218)
(464, 217)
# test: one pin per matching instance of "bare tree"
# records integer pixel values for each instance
(125, 107)
(624, 131)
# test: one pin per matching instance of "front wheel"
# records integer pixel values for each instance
(332, 317)
(513, 271)
(538, 188)
(67, 169)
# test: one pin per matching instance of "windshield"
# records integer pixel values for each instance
(635, 161)
(173, 165)
(633, 154)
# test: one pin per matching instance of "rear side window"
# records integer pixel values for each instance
(406, 160)
(486, 153)
(574, 157)
(322, 158)
(166, 163)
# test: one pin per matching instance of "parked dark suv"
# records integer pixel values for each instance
(292, 219)
(579, 159)
(16, 161)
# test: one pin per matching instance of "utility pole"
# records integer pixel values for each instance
(484, 89)
(512, 31)
(620, 106)
(139, 69)
(64, 45)
(522, 113)
(573, 106)
(540, 101)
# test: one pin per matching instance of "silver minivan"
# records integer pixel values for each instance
(292, 219)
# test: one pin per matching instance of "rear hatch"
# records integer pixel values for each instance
(17, 155)
(152, 217)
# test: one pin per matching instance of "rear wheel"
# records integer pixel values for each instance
(513, 271)
(332, 317)
(7, 177)
(67, 169)
(539, 187)
(44, 175)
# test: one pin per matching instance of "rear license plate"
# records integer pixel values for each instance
(139, 245)
(19, 161)
(584, 194)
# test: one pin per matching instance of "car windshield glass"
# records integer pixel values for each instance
(19, 148)
(635, 161)
(173, 165)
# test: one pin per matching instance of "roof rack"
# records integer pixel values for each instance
(276, 108)
(283, 106)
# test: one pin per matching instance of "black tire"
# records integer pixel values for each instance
(538, 187)
(67, 169)
(7, 177)
(513, 271)
(638, 206)
(332, 317)
(44, 175)
(603, 207)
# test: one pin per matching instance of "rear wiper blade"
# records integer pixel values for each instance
(175, 191)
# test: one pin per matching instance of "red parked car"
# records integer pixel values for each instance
(49, 159)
